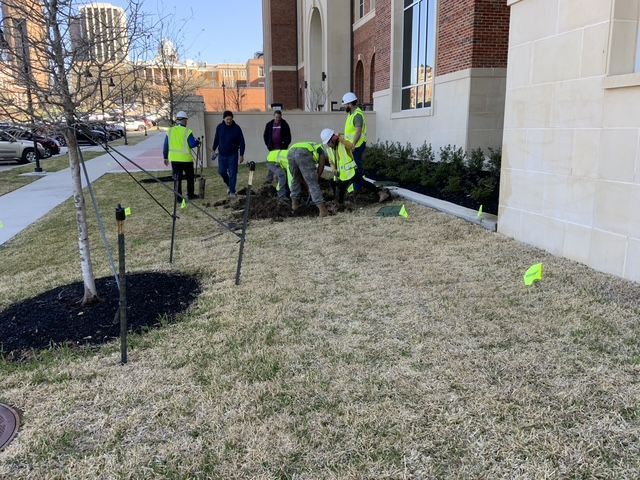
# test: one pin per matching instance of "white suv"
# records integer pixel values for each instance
(135, 125)
(12, 148)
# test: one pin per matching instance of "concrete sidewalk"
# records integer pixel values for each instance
(22, 207)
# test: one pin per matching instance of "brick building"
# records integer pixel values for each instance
(433, 70)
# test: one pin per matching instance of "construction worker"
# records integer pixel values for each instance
(345, 171)
(306, 162)
(278, 160)
(177, 150)
(355, 128)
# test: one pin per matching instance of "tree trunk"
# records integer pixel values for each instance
(90, 292)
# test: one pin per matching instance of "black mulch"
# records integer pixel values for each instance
(56, 317)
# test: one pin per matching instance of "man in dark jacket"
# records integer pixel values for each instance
(228, 141)
(277, 136)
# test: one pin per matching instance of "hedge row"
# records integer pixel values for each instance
(469, 179)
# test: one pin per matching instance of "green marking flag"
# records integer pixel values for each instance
(480, 213)
(403, 212)
(183, 204)
(534, 274)
(127, 211)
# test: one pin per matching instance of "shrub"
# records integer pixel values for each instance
(470, 179)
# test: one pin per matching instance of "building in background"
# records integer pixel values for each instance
(100, 33)
(22, 23)
(236, 87)
(433, 70)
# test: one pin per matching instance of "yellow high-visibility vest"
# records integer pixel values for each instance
(342, 161)
(309, 146)
(350, 129)
(279, 158)
(179, 150)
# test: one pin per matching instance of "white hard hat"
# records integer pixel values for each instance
(181, 115)
(348, 98)
(326, 135)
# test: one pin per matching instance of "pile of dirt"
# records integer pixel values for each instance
(57, 318)
(265, 203)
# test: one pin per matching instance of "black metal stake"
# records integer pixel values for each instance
(175, 208)
(201, 180)
(245, 220)
(120, 218)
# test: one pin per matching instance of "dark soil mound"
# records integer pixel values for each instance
(56, 318)
(265, 204)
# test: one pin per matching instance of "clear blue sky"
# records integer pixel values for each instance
(221, 31)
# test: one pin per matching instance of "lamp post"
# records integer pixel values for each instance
(224, 95)
(21, 26)
(144, 114)
(124, 116)
(88, 74)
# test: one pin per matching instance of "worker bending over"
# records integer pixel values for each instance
(343, 164)
(306, 162)
(277, 159)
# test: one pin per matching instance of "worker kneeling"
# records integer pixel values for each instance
(306, 163)
(278, 160)
(345, 171)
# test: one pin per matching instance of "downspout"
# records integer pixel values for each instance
(351, 34)
(297, 57)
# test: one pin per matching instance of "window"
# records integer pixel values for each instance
(418, 53)
(360, 8)
(261, 71)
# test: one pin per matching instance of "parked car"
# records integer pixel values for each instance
(138, 125)
(50, 145)
(90, 136)
(22, 151)
(117, 128)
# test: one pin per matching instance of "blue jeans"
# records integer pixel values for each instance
(228, 170)
(358, 156)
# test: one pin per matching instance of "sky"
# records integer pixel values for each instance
(220, 31)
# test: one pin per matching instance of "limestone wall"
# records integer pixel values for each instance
(571, 171)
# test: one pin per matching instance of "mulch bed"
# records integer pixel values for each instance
(57, 318)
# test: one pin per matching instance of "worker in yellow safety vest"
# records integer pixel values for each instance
(278, 159)
(306, 163)
(355, 128)
(177, 150)
(345, 171)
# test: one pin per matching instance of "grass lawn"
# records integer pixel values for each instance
(356, 347)
(11, 180)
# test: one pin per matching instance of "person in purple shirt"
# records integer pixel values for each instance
(276, 136)
(228, 142)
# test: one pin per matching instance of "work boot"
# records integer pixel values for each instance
(383, 195)
(323, 210)
(295, 204)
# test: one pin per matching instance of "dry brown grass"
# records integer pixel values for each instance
(356, 347)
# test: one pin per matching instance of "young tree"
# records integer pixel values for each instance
(49, 50)
(237, 96)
